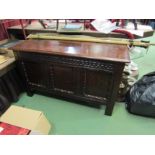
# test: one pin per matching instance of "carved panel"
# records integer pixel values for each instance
(97, 84)
(37, 74)
(63, 79)
(76, 62)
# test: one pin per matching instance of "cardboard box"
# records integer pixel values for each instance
(27, 118)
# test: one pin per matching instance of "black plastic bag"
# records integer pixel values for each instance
(140, 99)
(4, 104)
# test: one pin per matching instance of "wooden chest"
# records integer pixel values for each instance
(86, 72)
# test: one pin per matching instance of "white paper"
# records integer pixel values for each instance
(104, 26)
(140, 29)
(136, 32)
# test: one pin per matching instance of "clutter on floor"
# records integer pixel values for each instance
(24, 121)
(11, 87)
(140, 98)
(129, 77)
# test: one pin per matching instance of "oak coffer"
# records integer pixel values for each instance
(88, 73)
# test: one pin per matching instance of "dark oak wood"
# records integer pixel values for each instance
(76, 49)
(82, 71)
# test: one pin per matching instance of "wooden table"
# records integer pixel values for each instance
(86, 72)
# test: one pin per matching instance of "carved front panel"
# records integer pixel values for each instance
(97, 84)
(70, 61)
(37, 74)
(63, 79)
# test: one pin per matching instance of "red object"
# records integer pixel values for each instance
(5, 23)
(87, 25)
(129, 35)
(8, 129)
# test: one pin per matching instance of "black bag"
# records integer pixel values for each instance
(140, 99)
(4, 104)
